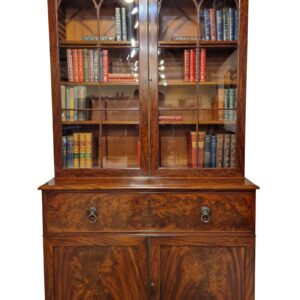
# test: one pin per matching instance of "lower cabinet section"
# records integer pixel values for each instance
(129, 267)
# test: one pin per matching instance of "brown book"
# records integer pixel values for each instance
(203, 65)
(192, 65)
(226, 150)
(213, 26)
(186, 65)
(220, 104)
(220, 150)
(76, 154)
(88, 150)
(201, 136)
(233, 151)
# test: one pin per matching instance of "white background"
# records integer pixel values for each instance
(272, 151)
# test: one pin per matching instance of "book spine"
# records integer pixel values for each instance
(101, 65)
(220, 104)
(225, 24)
(202, 65)
(76, 150)
(75, 103)
(124, 23)
(207, 151)
(80, 65)
(231, 17)
(232, 104)
(82, 163)
(192, 65)
(67, 103)
(201, 137)
(219, 14)
(213, 151)
(71, 104)
(186, 65)
(226, 104)
(194, 149)
(70, 65)
(219, 152)
(213, 26)
(81, 103)
(226, 154)
(88, 150)
(96, 66)
(202, 25)
(63, 102)
(91, 64)
(233, 151)
(86, 65)
(75, 65)
(130, 22)
(105, 64)
(118, 24)
(69, 151)
(64, 146)
(206, 25)
(236, 24)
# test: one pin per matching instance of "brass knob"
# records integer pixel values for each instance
(205, 214)
(92, 214)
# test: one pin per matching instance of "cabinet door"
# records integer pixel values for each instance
(96, 268)
(207, 268)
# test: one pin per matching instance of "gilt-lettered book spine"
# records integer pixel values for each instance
(233, 151)
(105, 64)
(118, 24)
(70, 65)
(186, 65)
(220, 150)
(226, 154)
(100, 65)
(201, 137)
(70, 151)
(88, 150)
(71, 104)
(91, 64)
(86, 65)
(82, 147)
(225, 24)
(206, 25)
(202, 64)
(213, 25)
(192, 65)
(219, 17)
(231, 16)
(75, 65)
(236, 23)
(96, 65)
(75, 103)
(76, 150)
(226, 104)
(232, 104)
(207, 151)
(213, 151)
(220, 104)
(124, 23)
(80, 65)
(82, 103)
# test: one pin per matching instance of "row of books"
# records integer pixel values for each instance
(226, 104)
(87, 65)
(190, 72)
(125, 23)
(211, 150)
(77, 150)
(220, 24)
(73, 102)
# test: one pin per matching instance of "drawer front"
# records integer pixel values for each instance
(163, 212)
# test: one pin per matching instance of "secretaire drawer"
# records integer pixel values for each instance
(166, 212)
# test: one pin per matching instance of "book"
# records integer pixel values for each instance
(82, 103)
(226, 150)
(192, 149)
(236, 24)
(75, 65)
(207, 33)
(201, 137)
(186, 65)
(233, 151)
(67, 104)
(226, 104)
(220, 104)
(91, 64)
(69, 151)
(219, 17)
(130, 22)
(219, 151)
(76, 150)
(225, 24)
(213, 25)
(80, 66)
(70, 65)
(71, 105)
(88, 150)
(118, 24)
(64, 149)
(100, 65)
(192, 65)
(75, 103)
(96, 66)
(86, 65)
(207, 151)
(105, 65)
(232, 104)
(63, 102)
(82, 150)
(202, 26)
(231, 18)
(202, 64)
(124, 23)
(213, 151)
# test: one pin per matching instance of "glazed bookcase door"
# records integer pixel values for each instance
(100, 106)
(197, 83)
(209, 268)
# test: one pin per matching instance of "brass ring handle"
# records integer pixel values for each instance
(92, 213)
(205, 214)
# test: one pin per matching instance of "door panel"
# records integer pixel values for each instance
(202, 268)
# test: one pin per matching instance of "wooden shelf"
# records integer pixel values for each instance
(125, 83)
(191, 43)
(98, 122)
(176, 82)
(195, 122)
(94, 44)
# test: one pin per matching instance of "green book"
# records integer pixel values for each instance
(67, 103)
(226, 104)
(82, 115)
(85, 65)
(232, 104)
(63, 102)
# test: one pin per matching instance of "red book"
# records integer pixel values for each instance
(105, 66)
(186, 65)
(75, 65)
(203, 65)
(213, 27)
(80, 65)
(70, 65)
(192, 65)
(201, 136)
(91, 65)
